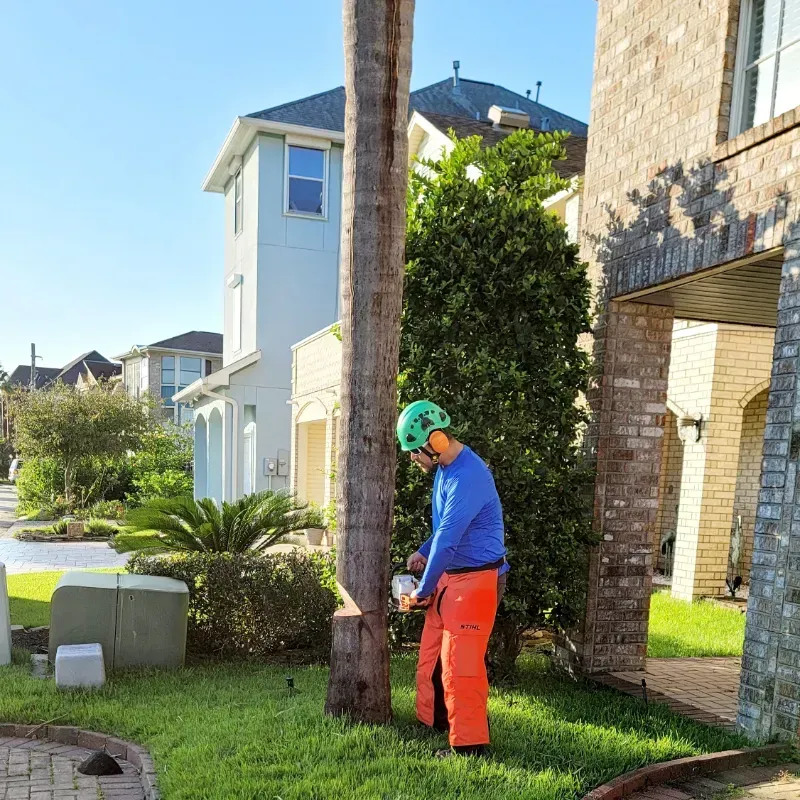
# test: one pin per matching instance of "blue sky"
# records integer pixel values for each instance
(112, 113)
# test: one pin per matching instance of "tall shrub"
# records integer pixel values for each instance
(162, 466)
(71, 426)
(495, 300)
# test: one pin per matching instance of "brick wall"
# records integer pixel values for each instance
(628, 405)
(669, 487)
(770, 691)
(680, 197)
(748, 477)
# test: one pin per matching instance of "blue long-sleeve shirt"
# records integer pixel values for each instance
(467, 520)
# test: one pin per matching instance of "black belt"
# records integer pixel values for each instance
(462, 570)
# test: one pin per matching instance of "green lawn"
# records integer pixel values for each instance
(223, 732)
(231, 731)
(29, 596)
(679, 629)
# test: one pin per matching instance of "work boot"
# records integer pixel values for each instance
(462, 750)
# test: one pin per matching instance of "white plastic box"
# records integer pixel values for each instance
(80, 666)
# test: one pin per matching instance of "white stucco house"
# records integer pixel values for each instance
(280, 172)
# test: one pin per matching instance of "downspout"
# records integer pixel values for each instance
(235, 444)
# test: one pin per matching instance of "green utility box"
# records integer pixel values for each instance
(138, 619)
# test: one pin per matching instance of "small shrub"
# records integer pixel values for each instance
(253, 522)
(315, 517)
(107, 509)
(99, 527)
(59, 528)
(243, 605)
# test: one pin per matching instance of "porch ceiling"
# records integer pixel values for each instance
(744, 292)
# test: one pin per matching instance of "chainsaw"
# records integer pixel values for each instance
(402, 586)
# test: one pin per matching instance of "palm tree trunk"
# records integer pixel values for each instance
(377, 45)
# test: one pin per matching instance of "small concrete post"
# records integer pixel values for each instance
(5, 620)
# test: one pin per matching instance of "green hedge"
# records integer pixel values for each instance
(250, 606)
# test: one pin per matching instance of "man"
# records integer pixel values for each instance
(464, 572)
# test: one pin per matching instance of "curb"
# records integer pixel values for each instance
(90, 740)
(680, 769)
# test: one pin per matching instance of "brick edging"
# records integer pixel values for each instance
(680, 769)
(90, 740)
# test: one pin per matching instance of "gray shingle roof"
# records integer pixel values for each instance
(201, 341)
(575, 146)
(21, 376)
(102, 369)
(475, 97)
(326, 110)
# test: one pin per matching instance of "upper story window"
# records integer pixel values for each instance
(237, 203)
(177, 372)
(768, 62)
(306, 168)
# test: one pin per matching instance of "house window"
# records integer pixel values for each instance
(209, 367)
(237, 203)
(167, 380)
(177, 372)
(768, 62)
(305, 180)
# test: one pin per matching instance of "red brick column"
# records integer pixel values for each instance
(628, 405)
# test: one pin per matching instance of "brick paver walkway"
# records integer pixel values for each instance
(706, 689)
(42, 557)
(39, 770)
(765, 783)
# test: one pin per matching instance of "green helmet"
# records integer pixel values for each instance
(418, 421)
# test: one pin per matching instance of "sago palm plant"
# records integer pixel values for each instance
(252, 523)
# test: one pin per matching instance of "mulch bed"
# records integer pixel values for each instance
(36, 639)
(22, 536)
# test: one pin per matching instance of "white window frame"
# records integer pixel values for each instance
(309, 144)
(175, 407)
(741, 66)
(238, 202)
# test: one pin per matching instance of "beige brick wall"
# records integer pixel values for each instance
(316, 374)
(713, 369)
(669, 488)
(748, 478)
(317, 365)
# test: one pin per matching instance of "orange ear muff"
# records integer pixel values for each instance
(438, 441)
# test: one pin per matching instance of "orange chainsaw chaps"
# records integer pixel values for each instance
(457, 629)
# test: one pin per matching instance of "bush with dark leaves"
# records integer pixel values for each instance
(245, 605)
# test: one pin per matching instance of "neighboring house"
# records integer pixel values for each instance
(280, 171)
(82, 371)
(170, 365)
(428, 137)
(316, 361)
(692, 226)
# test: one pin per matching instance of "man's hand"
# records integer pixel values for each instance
(416, 562)
(419, 602)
